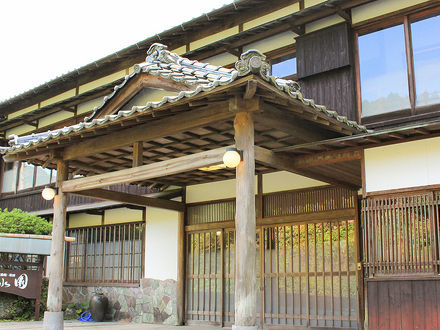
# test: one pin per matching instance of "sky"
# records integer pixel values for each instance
(40, 40)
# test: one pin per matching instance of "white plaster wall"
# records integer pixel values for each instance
(377, 8)
(271, 43)
(279, 181)
(121, 215)
(161, 244)
(403, 165)
(272, 182)
(84, 220)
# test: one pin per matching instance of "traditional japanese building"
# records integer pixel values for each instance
(329, 216)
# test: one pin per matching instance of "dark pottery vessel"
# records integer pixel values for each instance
(98, 306)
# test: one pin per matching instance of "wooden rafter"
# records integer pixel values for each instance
(149, 131)
(288, 123)
(131, 199)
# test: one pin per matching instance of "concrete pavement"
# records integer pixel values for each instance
(77, 325)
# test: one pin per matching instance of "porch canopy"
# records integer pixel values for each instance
(180, 139)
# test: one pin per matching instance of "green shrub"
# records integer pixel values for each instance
(20, 222)
(19, 308)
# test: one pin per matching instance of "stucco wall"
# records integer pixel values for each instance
(272, 182)
(161, 244)
(403, 165)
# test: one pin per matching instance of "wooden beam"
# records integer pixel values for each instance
(116, 196)
(251, 88)
(287, 122)
(240, 104)
(149, 131)
(298, 29)
(146, 172)
(286, 163)
(137, 153)
(328, 157)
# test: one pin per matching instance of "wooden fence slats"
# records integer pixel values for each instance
(401, 235)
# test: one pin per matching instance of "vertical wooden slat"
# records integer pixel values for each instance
(222, 276)
(316, 274)
(263, 247)
(339, 273)
(323, 273)
(332, 275)
(300, 276)
(285, 274)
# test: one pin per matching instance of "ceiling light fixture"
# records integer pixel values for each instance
(232, 157)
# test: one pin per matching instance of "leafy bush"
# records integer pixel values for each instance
(20, 222)
(19, 308)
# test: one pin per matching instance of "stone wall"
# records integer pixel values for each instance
(153, 302)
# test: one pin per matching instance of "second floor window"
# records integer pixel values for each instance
(399, 66)
(21, 176)
(284, 66)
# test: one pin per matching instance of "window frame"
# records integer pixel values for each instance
(279, 53)
(102, 281)
(17, 180)
(401, 115)
(282, 58)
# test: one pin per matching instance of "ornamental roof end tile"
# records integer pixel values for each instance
(200, 77)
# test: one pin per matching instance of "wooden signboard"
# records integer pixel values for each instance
(24, 283)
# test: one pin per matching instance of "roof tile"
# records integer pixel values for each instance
(203, 76)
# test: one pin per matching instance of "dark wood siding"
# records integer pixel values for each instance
(335, 90)
(325, 68)
(323, 50)
(32, 201)
(404, 304)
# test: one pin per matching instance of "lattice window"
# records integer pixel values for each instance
(401, 235)
(106, 254)
(211, 212)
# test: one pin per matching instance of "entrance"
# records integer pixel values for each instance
(309, 267)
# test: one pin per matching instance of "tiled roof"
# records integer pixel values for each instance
(202, 77)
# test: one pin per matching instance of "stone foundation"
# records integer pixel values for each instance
(153, 302)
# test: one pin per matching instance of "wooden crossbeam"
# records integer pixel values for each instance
(286, 163)
(116, 196)
(149, 131)
(326, 158)
(146, 172)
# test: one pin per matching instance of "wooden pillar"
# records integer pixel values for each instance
(181, 266)
(245, 226)
(53, 318)
(181, 270)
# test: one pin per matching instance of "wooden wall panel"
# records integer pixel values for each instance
(334, 89)
(324, 50)
(404, 304)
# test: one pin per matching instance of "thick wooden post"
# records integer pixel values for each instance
(53, 318)
(181, 270)
(245, 226)
(181, 265)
